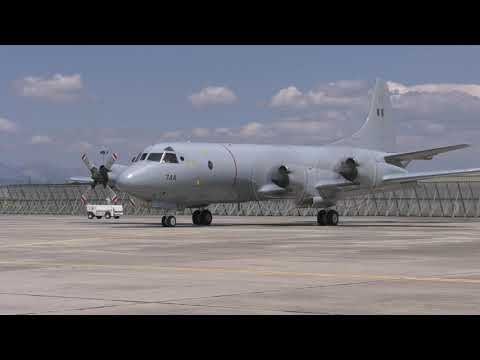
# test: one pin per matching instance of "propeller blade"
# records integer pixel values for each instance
(111, 160)
(87, 162)
(113, 196)
(83, 197)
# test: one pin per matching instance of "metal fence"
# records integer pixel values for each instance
(460, 198)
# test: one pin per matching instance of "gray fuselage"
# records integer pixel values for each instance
(218, 173)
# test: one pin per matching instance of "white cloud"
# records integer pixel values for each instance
(41, 139)
(80, 147)
(201, 132)
(251, 129)
(289, 96)
(340, 93)
(213, 95)
(400, 89)
(58, 87)
(7, 125)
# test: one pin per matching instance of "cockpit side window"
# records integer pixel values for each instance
(144, 155)
(170, 158)
(155, 157)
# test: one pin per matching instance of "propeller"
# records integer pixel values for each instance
(99, 176)
(348, 168)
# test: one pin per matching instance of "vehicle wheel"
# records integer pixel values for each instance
(206, 217)
(116, 217)
(332, 217)
(99, 217)
(164, 219)
(107, 215)
(322, 218)
(171, 221)
(196, 217)
(90, 215)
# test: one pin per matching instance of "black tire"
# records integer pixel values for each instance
(107, 215)
(171, 221)
(164, 218)
(116, 217)
(206, 217)
(332, 218)
(196, 217)
(90, 215)
(99, 217)
(322, 218)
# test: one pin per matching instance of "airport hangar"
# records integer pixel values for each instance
(442, 197)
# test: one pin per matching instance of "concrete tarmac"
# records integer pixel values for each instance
(239, 265)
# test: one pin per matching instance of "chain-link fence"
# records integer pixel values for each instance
(454, 199)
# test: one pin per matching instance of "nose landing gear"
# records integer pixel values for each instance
(203, 217)
(329, 217)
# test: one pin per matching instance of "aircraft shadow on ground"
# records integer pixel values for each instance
(384, 224)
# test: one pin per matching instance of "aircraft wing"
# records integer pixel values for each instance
(400, 178)
(421, 155)
(80, 180)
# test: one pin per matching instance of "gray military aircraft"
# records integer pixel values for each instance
(175, 176)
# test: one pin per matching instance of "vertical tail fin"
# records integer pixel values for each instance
(377, 133)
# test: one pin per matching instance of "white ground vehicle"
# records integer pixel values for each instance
(108, 211)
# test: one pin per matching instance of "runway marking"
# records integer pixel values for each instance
(255, 271)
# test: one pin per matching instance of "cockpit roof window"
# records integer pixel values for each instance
(170, 158)
(144, 155)
(155, 157)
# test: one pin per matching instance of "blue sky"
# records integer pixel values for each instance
(129, 96)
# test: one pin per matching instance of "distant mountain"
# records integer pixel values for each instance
(37, 173)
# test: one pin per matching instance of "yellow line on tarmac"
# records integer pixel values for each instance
(253, 271)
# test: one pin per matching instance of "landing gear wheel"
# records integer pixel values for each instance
(99, 217)
(171, 221)
(206, 217)
(332, 217)
(116, 217)
(164, 218)
(90, 215)
(107, 215)
(196, 217)
(322, 218)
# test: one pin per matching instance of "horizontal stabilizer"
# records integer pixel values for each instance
(399, 178)
(397, 159)
(80, 180)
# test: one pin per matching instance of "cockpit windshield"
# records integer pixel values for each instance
(144, 155)
(165, 157)
(170, 158)
(155, 157)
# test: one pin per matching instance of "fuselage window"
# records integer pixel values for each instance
(170, 158)
(144, 155)
(155, 157)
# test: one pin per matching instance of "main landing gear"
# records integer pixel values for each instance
(329, 217)
(169, 221)
(203, 217)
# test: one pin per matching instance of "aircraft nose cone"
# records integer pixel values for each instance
(126, 181)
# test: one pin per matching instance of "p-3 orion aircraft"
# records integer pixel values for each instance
(175, 176)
